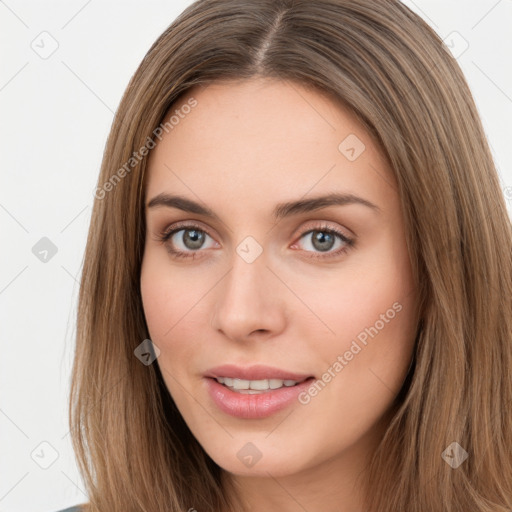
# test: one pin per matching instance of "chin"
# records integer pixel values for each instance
(258, 458)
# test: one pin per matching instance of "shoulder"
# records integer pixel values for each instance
(71, 509)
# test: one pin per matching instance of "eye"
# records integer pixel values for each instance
(188, 239)
(322, 239)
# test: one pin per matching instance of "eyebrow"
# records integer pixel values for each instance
(281, 210)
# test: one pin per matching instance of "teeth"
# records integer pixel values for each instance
(275, 383)
(255, 385)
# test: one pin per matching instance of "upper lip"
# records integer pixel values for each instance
(255, 372)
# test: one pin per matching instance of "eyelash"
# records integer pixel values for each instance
(167, 234)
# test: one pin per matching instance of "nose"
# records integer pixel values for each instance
(250, 301)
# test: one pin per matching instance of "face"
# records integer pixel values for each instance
(285, 322)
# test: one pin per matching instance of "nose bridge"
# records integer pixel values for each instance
(245, 280)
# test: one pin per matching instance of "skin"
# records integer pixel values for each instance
(244, 148)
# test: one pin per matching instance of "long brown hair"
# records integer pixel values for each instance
(392, 70)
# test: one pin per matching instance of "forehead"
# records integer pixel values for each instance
(263, 136)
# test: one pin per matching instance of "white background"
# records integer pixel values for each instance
(56, 114)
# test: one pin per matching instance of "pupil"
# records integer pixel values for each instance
(322, 241)
(193, 239)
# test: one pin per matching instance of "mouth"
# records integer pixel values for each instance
(254, 392)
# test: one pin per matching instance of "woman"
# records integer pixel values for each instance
(297, 284)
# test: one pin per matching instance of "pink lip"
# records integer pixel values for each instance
(256, 372)
(254, 406)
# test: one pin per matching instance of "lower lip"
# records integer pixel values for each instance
(254, 406)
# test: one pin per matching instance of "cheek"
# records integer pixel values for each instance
(363, 366)
(168, 296)
(176, 307)
(368, 314)
(373, 307)
(155, 300)
(372, 345)
(357, 304)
